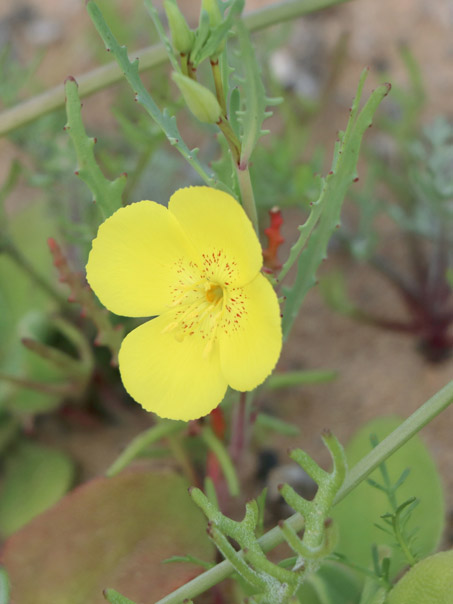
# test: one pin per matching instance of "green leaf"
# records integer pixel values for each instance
(113, 597)
(209, 45)
(110, 533)
(428, 582)
(334, 291)
(277, 425)
(4, 586)
(365, 505)
(311, 247)
(253, 111)
(24, 308)
(332, 584)
(373, 592)
(107, 194)
(35, 477)
(9, 428)
(300, 378)
(163, 36)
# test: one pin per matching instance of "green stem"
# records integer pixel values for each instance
(134, 177)
(185, 64)
(143, 440)
(305, 231)
(247, 196)
(213, 443)
(231, 138)
(149, 57)
(428, 411)
(180, 455)
(402, 542)
(218, 83)
(58, 358)
(240, 424)
(44, 387)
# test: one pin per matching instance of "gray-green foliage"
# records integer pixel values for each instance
(311, 247)
(166, 121)
(107, 194)
(274, 583)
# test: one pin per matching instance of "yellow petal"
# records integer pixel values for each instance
(134, 259)
(169, 375)
(251, 338)
(219, 229)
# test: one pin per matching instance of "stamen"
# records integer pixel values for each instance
(202, 301)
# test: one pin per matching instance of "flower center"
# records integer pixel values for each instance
(214, 293)
(204, 302)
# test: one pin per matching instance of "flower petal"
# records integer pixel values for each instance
(169, 377)
(134, 258)
(216, 223)
(250, 347)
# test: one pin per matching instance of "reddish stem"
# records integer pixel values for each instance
(239, 429)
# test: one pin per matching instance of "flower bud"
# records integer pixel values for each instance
(213, 10)
(182, 36)
(200, 100)
(215, 18)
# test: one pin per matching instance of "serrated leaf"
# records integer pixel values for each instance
(35, 477)
(201, 37)
(254, 96)
(235, 101)
(107, 194)
(327, 209)
(162, 35)
(209, 45)
(166, 122)
(224, 168)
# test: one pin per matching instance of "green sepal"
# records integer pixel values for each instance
(199, 99)
(209, 40)
(181, 34)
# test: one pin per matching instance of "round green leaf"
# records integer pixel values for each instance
(428, 582)
(35, 478)
(361, 509)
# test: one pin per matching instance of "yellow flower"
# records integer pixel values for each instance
(196, 265)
